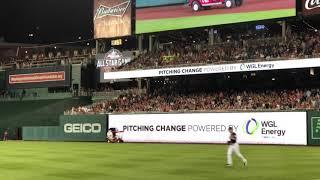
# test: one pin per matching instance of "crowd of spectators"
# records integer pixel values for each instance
(297, 45)
(40, 59)
(227, 100)
(249, 47)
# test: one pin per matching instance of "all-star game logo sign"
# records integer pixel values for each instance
(311, 7)
(113, 58)
(112, 18)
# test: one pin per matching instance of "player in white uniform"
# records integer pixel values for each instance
(234, 148)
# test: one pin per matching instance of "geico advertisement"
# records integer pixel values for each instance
(82, 128)
(251, 128)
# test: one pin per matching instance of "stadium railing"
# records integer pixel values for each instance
(30, 97)
(198, 111)
(96, 96)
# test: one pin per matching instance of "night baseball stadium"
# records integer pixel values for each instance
(160, 90)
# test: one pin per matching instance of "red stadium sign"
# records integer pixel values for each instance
(37, 77)
(311, 7)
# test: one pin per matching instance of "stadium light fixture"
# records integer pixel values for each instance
(312, 71)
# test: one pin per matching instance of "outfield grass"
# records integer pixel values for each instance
(145, 26)
(101, 161)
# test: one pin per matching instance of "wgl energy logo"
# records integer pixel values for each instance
(251, 126)
(266, 128)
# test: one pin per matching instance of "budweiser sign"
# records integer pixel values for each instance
(311, 7)
(118, 10)
(312, 4)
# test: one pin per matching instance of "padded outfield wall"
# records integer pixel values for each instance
(283, 128)
(17, 114)
(313, 123)
(70, 128)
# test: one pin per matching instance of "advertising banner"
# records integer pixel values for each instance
(57, 76)
(310, 7)
(37, 77)
(212, 69)
(314, 128)
(113, 58)
(112, 18)
(288, 128)
(83, 128)
(164, 15)
(71, 128)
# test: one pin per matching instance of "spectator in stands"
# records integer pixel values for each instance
(215, 101)
(302, 45)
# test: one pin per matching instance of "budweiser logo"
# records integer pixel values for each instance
(117, 10)
(312, 4)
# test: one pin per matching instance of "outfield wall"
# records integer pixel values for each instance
(313, 123)
(71, 128)
(41, 133)
(283, 128)
(17, 114)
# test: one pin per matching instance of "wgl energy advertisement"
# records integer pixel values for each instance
(252, 128)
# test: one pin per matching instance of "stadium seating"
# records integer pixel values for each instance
(302, 45)
(230, 100)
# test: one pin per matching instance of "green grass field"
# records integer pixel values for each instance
(100, 161)
(145, 26)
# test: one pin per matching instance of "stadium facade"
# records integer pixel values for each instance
(161, 72)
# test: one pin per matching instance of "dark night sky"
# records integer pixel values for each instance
(49, 20)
